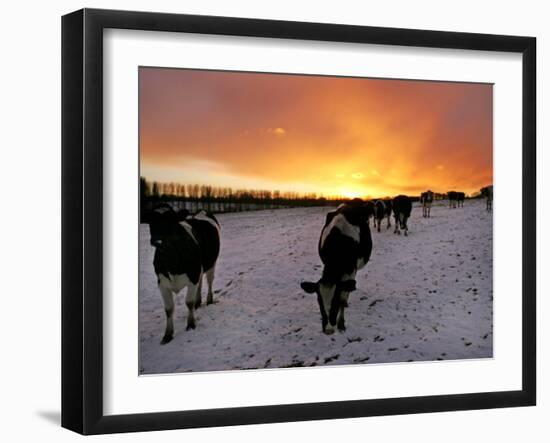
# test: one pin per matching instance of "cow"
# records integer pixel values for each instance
(460, 196)
(185, 250)
(370, 208)
(402, 207)
(426, 199)
(379, 213)
(452, 196)
(345, 246)
(388, 209)
(487, 192)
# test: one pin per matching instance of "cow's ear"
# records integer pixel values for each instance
(309, 286)
(347, 286)
(182, 214)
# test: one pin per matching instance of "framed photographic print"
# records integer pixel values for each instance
(268, 221)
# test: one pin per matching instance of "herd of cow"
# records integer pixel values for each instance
(187, 248)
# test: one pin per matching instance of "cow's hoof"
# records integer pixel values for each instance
(190, 325)
(341, 327)
(198, 304)
(209, 301)
(166, 339)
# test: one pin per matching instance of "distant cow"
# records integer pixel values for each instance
(460, 196)
(388, 210)
(452, 196)
(379, 213)
(369, 205)
(345, 247)
(426, 199)
(402, 207)
(186, 248)
(487, 192)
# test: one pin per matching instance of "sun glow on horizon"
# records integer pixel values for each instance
(351, 194)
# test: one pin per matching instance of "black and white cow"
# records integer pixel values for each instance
(402, 207)
(426, 199)
(453, 197)
(345, 247)
(186, 249)
(460, 196)
(379, 213)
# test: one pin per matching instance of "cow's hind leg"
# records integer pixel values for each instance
(168, 300)
(190, 301)
(210, 281)
(340, 320)
(198, 299)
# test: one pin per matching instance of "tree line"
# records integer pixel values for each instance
(225, 199)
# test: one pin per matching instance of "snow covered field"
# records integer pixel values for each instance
(427, 296)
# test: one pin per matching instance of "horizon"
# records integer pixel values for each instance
(284, 193)
(334, 136)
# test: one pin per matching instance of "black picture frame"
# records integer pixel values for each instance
(82, 218)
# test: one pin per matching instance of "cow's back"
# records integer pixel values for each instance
(345, 244)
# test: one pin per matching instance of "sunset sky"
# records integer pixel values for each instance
(351, 137)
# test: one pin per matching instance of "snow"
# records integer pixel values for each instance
(428, 296)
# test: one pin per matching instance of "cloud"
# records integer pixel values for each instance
(277, 131)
